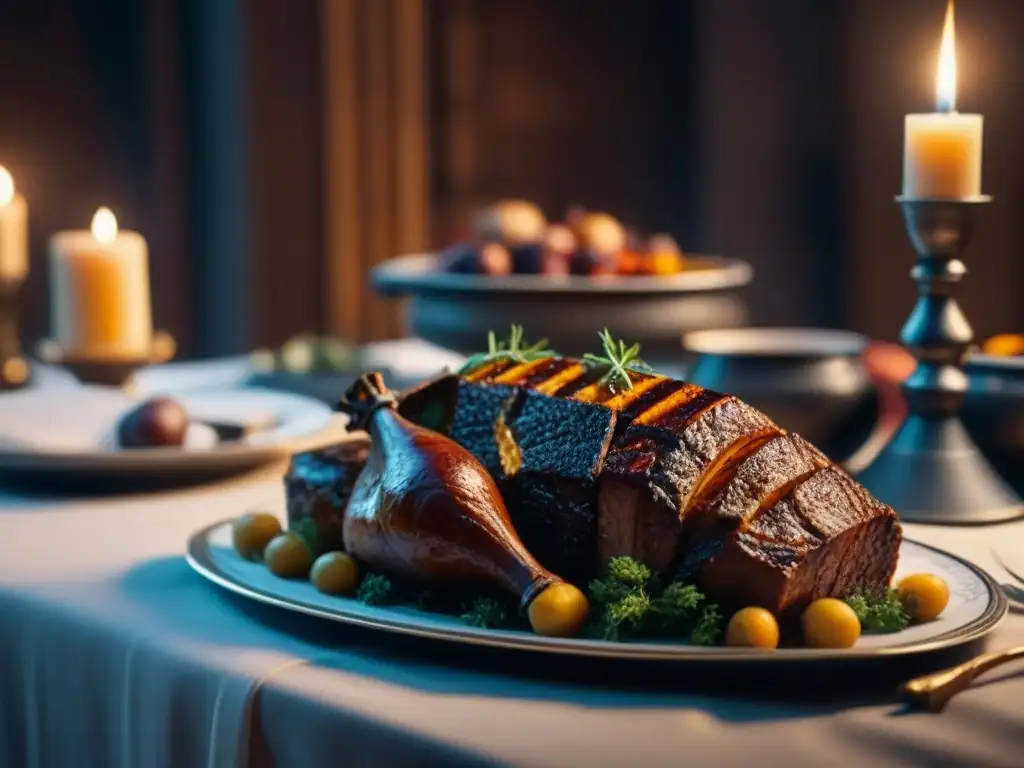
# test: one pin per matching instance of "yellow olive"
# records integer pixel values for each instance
(752, 628)
(288, 556)
(252, 532)
(924, 596)
(830, 623)
(558, 611)
(335, 573)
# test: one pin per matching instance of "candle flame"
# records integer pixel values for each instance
(6, 186)
(104, 226)
(945, 90)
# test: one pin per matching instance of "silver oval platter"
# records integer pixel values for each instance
(976, 607)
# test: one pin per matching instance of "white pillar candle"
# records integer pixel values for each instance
(942, 156)
(99, 291)
(942, 150)
(13, 231)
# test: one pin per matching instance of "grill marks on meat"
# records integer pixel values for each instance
(680, 466)
(654, 478)
(759, 482)
(826, 537)
(318, 485)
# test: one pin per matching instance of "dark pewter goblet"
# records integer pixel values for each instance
(932, 471)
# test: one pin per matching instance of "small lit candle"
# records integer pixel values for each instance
(13, 231)
(942, 150)
(99, 294)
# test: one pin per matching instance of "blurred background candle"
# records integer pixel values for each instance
(13, 231)
(942, 151)
(100, 299)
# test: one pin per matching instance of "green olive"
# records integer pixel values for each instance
(335, 573)
(288, 556)
(252, 532)
(298, 355)
(335, 355)
(262, 359)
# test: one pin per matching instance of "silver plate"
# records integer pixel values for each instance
(977, 606)
(294, 424)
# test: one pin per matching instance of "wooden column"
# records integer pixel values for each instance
(375, 148)
(770, 135)
(223, 260)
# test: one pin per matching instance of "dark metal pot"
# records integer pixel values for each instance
(993, 412)
(809, 381)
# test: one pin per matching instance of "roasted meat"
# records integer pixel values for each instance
(826, 538)
(426, 510)
(545, 454)
(318, 485)
(760, 481)
(694, 483)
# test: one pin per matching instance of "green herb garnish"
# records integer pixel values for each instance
(628, 616)
(879, 612)
(708, 626)
(375, 589)
(486, 614)
(514, 350)
(617, 362)
(631, 604)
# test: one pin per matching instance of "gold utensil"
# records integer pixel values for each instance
(933, 692)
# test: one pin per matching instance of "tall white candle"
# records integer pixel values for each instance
(13, 231)
(942, 150)
(99, 291)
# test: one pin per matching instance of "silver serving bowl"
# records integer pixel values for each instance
(456, 310)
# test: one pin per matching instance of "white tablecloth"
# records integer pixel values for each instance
(114, 654)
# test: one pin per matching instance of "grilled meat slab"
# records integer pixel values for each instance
(318, 485)
(759, 482)
(826, 538)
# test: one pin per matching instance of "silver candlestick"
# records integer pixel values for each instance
(932, 471)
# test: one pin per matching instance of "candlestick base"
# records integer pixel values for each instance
(108, 371)
(932, 472)
(15, 373)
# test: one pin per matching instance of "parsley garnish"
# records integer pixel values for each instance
(631, 604)
(617, 362)
(486, 614)
(879, 612)
(375, 589)
(514, 350)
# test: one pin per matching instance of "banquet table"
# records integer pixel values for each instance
(113, 653)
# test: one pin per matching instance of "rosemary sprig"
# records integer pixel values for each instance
(617, 362)
(515, 350)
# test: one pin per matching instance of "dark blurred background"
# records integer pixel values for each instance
(272, 151)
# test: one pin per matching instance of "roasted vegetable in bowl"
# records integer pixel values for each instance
(514, 237)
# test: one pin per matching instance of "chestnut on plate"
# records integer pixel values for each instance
(156, 423)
